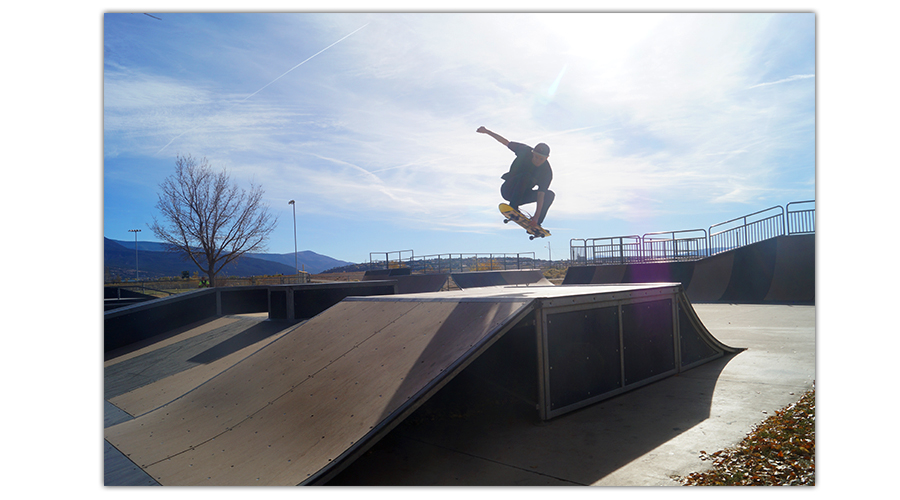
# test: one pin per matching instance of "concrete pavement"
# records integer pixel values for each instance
(640, 438)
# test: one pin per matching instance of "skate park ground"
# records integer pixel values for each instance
(641, 438)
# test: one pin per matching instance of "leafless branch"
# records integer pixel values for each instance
(209, 219)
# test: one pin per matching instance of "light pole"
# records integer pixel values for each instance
(136, 274)
(294, 208)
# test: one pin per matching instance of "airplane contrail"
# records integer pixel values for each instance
(273, 81)
(788, 79)
(304, 62)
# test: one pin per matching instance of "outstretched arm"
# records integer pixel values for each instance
(501, 140)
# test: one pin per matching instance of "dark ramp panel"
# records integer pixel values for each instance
(602, 340)
(751, 273)
(585, 275)
(648, 340)
(697, 344)
(318, 396)
(587, 344)
(380, 274)
(795, 270)
(711, 277)
(313, 298)
(480, 279)
(662, 272)
(780, 269)
(412, 283)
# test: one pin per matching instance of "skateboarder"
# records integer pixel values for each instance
(529, 169)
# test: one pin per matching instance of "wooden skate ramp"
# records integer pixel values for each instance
(317, 397)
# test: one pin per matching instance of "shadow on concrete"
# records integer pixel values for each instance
(474, 425)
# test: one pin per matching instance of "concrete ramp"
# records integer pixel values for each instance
(317, 396)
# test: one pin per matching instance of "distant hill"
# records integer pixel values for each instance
(155, 262)
(307, 260)
(349, 268)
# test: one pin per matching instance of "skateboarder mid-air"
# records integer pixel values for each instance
(529, 169)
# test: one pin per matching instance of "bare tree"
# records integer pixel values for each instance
(210, 220)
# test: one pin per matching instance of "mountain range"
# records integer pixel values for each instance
(155, 261)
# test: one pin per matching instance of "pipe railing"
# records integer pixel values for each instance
(695, 244)
(671, 246)
(743, 231)
(388, 262)
(609, 250)
(453, 262)
(664, 246)
(801, 221)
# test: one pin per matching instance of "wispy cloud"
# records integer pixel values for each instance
(647, 115)
(268, 84)
(783, 80)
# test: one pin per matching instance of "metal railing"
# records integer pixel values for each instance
(695, 244)
(745, 230)
(674, 246)
(801, 221)
(452, 262)
(666, 246)
(388, 262)
(607, 251)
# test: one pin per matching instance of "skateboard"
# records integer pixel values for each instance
(524, 220)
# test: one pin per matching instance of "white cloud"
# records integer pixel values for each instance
(642, 111)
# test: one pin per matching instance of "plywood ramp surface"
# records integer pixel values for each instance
(294, 408)
(173, 337)
(156, 394)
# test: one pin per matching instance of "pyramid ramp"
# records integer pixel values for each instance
(318, 396)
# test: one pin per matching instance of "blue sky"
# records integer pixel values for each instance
(656, 122)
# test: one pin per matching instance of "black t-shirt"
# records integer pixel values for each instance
(523, 167)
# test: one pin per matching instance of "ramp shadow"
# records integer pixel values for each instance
(482, 428)
(177, 357)
(248, 337)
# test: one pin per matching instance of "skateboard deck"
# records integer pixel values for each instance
(523, 220)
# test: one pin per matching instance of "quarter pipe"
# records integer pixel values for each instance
(778, 270)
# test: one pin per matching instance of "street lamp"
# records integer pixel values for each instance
(136, 274)
(294, 208)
